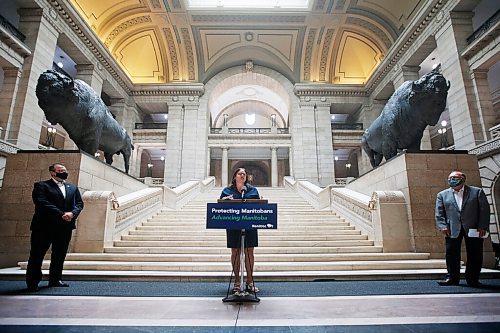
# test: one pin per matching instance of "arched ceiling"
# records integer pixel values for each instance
(164, 41)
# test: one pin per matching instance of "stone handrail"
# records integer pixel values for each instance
(134, 207)
(177, 197)
(105, 218)
(316, 196)
(383, 216)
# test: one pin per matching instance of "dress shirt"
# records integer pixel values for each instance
(61, 187)
(459, 197)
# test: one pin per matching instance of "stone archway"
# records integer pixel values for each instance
(258, 172)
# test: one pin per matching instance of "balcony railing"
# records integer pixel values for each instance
(495, 131)
(151, 125)
(12, 29)
(484, 27)
(249, 131)
(342, 126)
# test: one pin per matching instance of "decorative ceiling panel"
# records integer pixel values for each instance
(356, 60)
(217, 43)
(161, 41)
(131, 53)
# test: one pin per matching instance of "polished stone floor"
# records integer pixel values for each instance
(456, 309)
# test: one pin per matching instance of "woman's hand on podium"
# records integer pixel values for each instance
(229, 197)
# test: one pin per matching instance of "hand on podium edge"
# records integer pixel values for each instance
(229, 197)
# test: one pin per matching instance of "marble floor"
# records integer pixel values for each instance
(471, 312)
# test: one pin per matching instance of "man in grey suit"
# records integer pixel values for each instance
(459, 209)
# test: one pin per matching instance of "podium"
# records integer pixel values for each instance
(241, 214)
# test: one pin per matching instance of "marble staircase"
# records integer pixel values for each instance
(308, 245)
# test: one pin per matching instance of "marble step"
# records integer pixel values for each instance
(295, 232)
(262, 237)
(287, 228)
(259, 266)
(201, 222)
(258, 251)
(261, 243)
(203, 257)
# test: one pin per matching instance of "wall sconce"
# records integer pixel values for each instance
(225, 116)
(348, 165)
(51, 136)
(336, 158)
(273, 120)
(162, 158)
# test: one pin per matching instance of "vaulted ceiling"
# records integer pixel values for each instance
(166, 41)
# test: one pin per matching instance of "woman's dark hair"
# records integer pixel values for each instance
(233, 182)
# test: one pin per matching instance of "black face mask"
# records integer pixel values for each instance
(62, 175)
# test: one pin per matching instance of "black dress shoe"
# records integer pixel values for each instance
(32, 288)
(59, 283)
(448, 282)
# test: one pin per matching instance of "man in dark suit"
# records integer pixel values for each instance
(458, 210)
(57, 205)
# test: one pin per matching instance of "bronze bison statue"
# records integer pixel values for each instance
(82, 113)
(413, 106)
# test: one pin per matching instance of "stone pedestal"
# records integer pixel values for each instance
(27, 167)
(420, 176)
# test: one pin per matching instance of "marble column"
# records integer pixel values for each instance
(175, 134)
(451, 41)
(8, 94)
(326, 175)
(208, 163)
(225, 165)
(26, 120)
(135, 161)
(369, 113)
(274, 167)
(405, 73)
(89, 74)
(484, 104)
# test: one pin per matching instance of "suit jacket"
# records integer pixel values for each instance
(475, 211)
(50, 205)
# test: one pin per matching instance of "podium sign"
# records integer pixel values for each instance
(241, 215)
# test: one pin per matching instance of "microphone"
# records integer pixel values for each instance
(243, 190)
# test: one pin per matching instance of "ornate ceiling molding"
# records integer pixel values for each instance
(405, 41)
(124, 26)
(91, 42)
(308, 54)
(306, 89)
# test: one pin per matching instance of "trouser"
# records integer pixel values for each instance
(474, 249)
(40, 243)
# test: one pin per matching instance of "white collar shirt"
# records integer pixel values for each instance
(61, 186)
(459, 197)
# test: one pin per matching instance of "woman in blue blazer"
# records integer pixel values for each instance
(240, 189)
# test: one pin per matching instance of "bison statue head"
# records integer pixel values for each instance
(430, 93)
